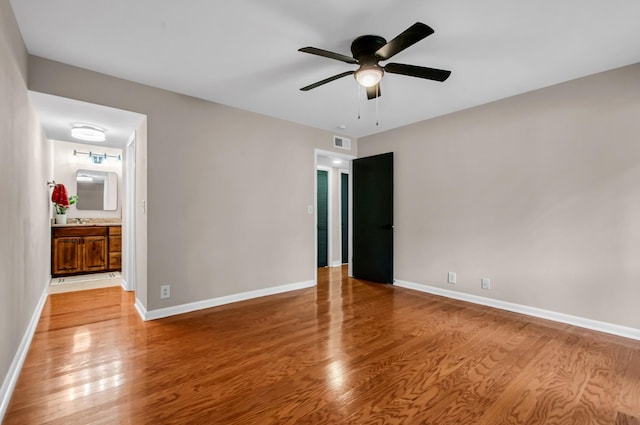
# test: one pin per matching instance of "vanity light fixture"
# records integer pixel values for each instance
(88, 133)
(97, 158)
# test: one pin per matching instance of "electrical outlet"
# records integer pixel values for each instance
(451, 278)
(165, 291)
(485, 283)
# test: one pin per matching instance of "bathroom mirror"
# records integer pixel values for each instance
(97, 190)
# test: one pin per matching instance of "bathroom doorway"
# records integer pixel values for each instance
(78, 164)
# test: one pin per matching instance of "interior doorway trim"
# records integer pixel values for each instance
(349, 158)
(341, 172)
(129, 269)
(329, 214)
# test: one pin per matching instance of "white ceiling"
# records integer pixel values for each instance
(58, 114)
(244, 53)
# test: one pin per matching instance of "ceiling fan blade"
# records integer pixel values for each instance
(417, 71)
(328, 54)
(326, 80)
(372, 93)
(408, 37)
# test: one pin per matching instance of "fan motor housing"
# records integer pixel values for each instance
(364, 48)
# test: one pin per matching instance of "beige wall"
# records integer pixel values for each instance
(539, 192)
(222, 219)
(65, 166)
(25, 167)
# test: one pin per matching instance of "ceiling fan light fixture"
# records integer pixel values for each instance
(88, 133)
(368, 75)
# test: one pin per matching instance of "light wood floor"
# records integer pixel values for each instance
(346, 352)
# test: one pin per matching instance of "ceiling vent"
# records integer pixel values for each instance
(341, 142)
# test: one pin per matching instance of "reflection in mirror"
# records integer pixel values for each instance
(97, 190)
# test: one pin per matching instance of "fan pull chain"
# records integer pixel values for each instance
(358, 98)
(377, 98)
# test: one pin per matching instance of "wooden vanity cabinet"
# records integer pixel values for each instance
(85, 249)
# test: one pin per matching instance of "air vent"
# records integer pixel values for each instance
(341, 142)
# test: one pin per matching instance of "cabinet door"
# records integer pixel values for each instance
(67, 255)
(95, 253)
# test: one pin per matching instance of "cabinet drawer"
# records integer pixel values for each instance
(115, 230)
(115, 260)
(115, 243)
(79, 231)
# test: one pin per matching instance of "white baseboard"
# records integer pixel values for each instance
(13, 373)
(336, 264)
(142, 312)
(214, 302)
(582, 322)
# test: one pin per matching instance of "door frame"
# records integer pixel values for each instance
(348, 158)
(329, 219)
(342, 171)
(129, 219)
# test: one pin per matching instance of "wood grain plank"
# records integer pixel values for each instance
(624, 419)
(629, 402)
(602, 391)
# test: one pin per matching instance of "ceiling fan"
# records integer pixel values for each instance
(369, 50)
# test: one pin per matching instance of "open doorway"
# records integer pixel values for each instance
(109, 258)
(332, 209)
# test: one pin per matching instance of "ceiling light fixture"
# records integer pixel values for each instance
(368, 75)
(88, 133)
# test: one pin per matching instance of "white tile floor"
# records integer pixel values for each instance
(82, 282)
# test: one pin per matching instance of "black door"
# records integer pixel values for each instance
(323, 217)
(344, 216)
(373, 218)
